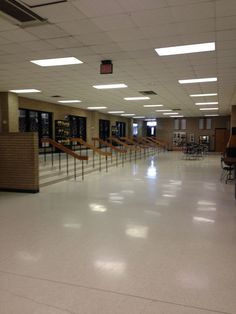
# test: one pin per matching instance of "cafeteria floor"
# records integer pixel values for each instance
(155, 237)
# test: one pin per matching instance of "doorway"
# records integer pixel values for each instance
(221, 139)
(104, 129)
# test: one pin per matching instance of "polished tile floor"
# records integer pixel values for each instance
(156, 237)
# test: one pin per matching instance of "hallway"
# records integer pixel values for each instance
(155, 237)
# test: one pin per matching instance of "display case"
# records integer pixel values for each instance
(62, 132)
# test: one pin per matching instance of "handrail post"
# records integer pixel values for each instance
(100, 165)
(52, 155)
(82, 170)
(135, 155)
(67, 166)
(93, 158)
(44, 150)
(87, 153)
(117, 159)
(59, 161)
(75, 168)
(123, 159)
(106, 164)
(130, 154)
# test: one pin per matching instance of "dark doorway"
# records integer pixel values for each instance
(221, 139)
(78, 127)
(104, 129)
(121, 128)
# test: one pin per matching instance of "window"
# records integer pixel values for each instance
(205, 124)
(135, 129)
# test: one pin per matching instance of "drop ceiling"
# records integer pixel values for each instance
(126, 32)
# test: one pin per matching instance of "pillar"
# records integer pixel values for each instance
(9, 114)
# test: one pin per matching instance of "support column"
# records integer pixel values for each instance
(233, 119)
(9, 115)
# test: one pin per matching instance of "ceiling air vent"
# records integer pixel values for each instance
(147, 92)
(19, 12)
(176, 109)
(56, 96)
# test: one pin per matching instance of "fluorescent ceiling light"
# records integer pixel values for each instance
(152, 106)
(69, 101)
(56, 62)
(139, 117)
(170, 113)
(110, 86)
(211, 115)
(137, 98)
(200, 80)
(128, 114)
(203, 95)
(22, 91)
(150, 119)
(179, 50)
(176, 116)
(115, 111)
(209, 108)
(206, 103)
(163, 110)
(94, 108)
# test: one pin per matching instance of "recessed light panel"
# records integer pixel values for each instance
(128, 114)
(206, 103)
(110, 86)
(199, 80)
(163, 110)
(136, 98)
(203, 95)
(209, 108)
(96, 108)
(139, 117)
(115, 111)
(69, 101)
(150, 106)
(170, 113)
(56, 62)
(211, 115)
(178, 50)
(23, 91)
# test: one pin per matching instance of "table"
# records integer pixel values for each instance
(231, 161)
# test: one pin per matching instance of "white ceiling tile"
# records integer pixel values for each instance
(225, 23)
(140, 5)
(152, 18)
(18, 35)
(113, 22)
(77, 27)
(197, 26)
(224, 8)
(65, 42)
(95, 9)
(94, 38)
(194, 11)
(60, 12)
(46, 31)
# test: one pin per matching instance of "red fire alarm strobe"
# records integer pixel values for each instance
(106, 67)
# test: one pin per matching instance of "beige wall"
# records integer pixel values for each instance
(9, 120)
(60, 111)
(165, 129)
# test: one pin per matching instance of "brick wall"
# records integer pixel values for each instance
(19, 162)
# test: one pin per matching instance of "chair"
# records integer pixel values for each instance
(227, 171)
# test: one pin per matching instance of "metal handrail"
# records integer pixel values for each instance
(66, 150)
(123, 151)
(94, 150)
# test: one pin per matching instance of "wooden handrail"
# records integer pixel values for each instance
(149, 141)
(140, 142)
(122, 143)
(63, 148)
(123, 151)
(155, 140)
(95, 149)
